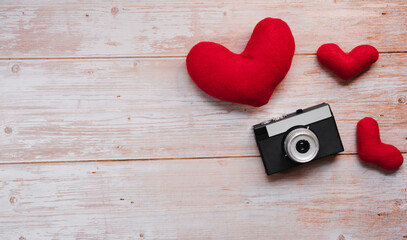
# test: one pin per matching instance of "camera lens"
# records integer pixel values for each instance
(302, 146)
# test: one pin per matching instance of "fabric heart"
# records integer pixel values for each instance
(372, 150)
(347, 66)
(250, 77)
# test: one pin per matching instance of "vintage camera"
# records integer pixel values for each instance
(298, 138)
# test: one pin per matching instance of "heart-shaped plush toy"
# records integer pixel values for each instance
(372, 150)
(347, 66)
(250, 77)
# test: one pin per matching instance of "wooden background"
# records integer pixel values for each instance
(103, 135)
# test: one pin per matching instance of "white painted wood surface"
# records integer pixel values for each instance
(104, 136)
(334, 198)
(66, 110)
(167, 28)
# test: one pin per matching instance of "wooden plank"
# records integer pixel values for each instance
(149, 108)
(334, 198)
(160, 28)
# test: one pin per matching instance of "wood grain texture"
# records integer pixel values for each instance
(166, 28)
(68, 110)
(202, 199)
(85, 84)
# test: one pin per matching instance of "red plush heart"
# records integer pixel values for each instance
(347, 66)
(250, 77)
(372, 150)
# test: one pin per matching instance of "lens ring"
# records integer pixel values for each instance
(301, 135)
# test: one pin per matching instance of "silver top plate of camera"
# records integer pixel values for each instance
(305, 118)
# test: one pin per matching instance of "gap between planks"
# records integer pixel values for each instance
(150, 57)
(148, 159)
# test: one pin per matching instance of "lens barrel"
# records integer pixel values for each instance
(301, 145)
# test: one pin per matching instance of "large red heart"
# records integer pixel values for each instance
(372, 150)
(347, 66)
(250, 77)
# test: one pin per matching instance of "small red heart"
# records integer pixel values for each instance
(250, 77)
(347, 66)
(372, 150)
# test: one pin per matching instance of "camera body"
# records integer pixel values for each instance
(298, 138)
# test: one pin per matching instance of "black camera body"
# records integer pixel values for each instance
(298, 138)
